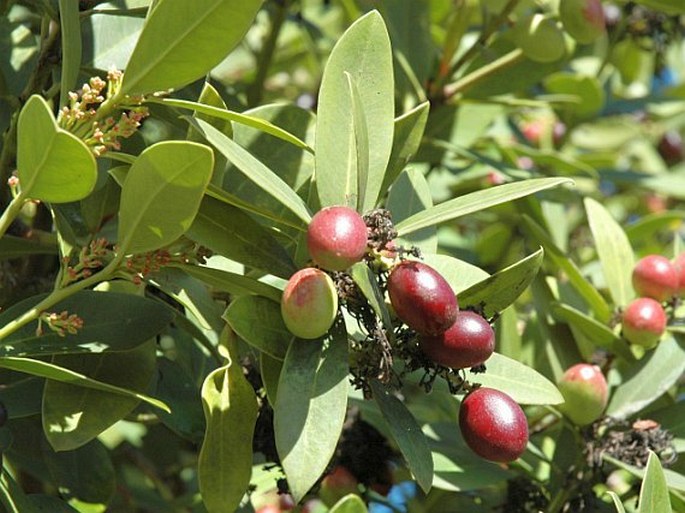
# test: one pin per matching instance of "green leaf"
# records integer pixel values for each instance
(495, 293)
(258, 322)
(476, 201)
(409, 128)
(14, 247)
(22, 397)
(270, 369)
(211, 98)
(209, 111)
(233, 283)
(230, 232)
(524, 384)
(654, 490)
(310, 407)
(459, 274)
(614, 251)
(647, 226)
(52, 164)
(364, 52)
(225, 462)
(360, 161)
(407, 433)
(167, 173)
(645, 382)
(674, 480)
(112, 321)
(411, 194)
(70, 26)
(50, 504)
(73, 415)
(587, 89)
(253, 169)
(672, 7)
(367, 283)
(12, 496)
(181, 41)
(617, 502)
(349, 504)
(109, 39)
(57, 373)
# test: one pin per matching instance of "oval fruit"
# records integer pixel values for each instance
(585, 392)
(422, 298)
(540, 39)
(309, 303)
(468, 342)
(656, 277)
(644, 321)
(583, 19)
(336, 238)
(493, 425)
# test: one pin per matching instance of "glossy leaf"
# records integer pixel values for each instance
(233, 283)
(23, 397)
(645, 382)
(225, 461)
(258, 322)
(407, 434)
(112, 321)
(310, 407)
(181, 41)
(364, 52)
(476, 201)
(654, 490)
(53, 165)
(230, 232)
(12, 496)
(349, 504)
(500, 290)
(614, 251)
(108, 41)
(167, 173)
(70, 27)
(411, 194)
(73, 415)
(524, 384)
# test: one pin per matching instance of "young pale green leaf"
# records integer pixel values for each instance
(209, 111)
(167, 173)
(411, 194)
(209, 98)
(364, 53)
(408, 132)
(367, 283)
(361, 143)
(500, 290)
(349, 504)
(253, 169)
(230, 232)
(649, 379)
(70, 27)
(57, 373)
(614, 251)
(617, 502)
(258, 322)
(310, 406)
(52, 165)
(111, 322)
(524, 384)
(475, 202)
(181, 41)
(73, 415)
(225, 462)
(654, 490)
(407, 433)
(233, 283)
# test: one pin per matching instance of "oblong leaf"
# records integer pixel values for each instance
(500, 290)
(407, 433)
(476, 201)
(614, 252)
(654, 490)
(233, 283)
(310, 406)
(409, 195)
(14, 247)
(53, 165)
(225, 461)
(349, 504)
(524, 384)
(181, 41)
(169, 173)
(70, 26)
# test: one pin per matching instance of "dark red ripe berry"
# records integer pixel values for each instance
(336, 238)
(655, 276)
(422, 298)
(493, 425)
(468, 342)
(670, 147)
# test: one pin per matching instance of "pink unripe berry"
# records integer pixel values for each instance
(583, 19)
(309, 303)
(585, 393)
(644, 321)
(493, 425)
(336, 238)
(422, 298)
(655, 276)
(468, 342)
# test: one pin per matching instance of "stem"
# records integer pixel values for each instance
(11, 212)
(482, 73)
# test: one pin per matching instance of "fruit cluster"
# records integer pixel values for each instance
(432, 333)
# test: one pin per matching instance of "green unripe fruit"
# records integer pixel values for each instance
(644, 322)
(309, 303)
(540, 38)
(583, 19)
(585, 393)
(337, 484)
